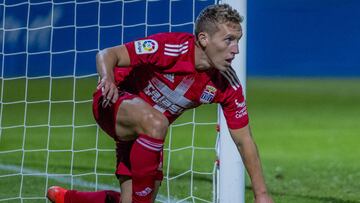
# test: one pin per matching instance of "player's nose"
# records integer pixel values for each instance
(235, 49)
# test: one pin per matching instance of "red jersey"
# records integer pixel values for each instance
(163, 74)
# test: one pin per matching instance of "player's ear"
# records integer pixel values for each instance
(203, 38)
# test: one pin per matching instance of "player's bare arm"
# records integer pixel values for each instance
(249, 154)
(106, 60)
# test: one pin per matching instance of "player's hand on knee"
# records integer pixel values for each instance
(109, 91)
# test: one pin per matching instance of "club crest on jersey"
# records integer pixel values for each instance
(147, 46)
(208, 94)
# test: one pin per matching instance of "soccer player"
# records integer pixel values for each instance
(155, 80)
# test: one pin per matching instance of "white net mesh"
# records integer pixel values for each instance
(48, 135)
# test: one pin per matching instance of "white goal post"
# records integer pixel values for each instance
(232, 172)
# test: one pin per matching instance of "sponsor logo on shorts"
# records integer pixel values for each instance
(208, 94)
(147, 46)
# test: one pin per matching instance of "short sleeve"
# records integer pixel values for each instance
(234, 105)
(151, 50)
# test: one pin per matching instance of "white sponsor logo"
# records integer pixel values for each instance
(239, 105)
(146, 46)
(242, 109)
(167, 99)
(241, 113)
(162, 103)
(145, 192)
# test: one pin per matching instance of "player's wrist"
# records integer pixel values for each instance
(108, 77)
(260, 192)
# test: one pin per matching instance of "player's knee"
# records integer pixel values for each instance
(155, 125)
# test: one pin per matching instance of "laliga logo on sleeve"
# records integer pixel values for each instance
(147, 46)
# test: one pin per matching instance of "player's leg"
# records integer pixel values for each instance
(123, 169)
(135, 116)
(105, 117)
(124, 175)
(126, 189)
(156, 190)
(159, 178)
(57, 194)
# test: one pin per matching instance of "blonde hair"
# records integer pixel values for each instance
(213, 15)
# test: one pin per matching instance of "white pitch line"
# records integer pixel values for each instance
(77, 182)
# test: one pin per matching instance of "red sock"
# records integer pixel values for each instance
(145, 160)
(104, 196)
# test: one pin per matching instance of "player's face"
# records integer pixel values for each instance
(223, 45)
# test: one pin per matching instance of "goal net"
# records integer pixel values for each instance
(48, 135)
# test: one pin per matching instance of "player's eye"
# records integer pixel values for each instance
(228, 40)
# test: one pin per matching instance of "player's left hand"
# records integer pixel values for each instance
(109, 91)
(263, 198)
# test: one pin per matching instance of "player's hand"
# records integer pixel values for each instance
(109, 91)
(263, 198)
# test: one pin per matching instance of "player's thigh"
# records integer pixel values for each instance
(135, 116)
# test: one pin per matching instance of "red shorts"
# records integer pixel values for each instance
(106, 119)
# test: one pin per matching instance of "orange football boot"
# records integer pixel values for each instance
(56, 194)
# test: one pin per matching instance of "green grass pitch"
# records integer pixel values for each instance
(307, 132)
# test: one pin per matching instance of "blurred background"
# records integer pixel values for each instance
(303, 38)
(285, 38)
